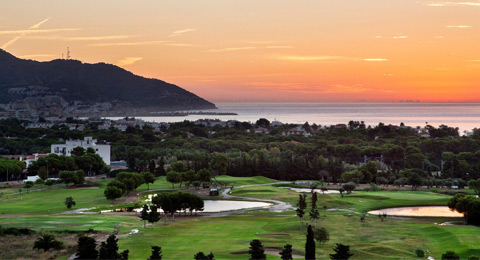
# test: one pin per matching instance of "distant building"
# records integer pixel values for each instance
(296, 131)
(66, 149)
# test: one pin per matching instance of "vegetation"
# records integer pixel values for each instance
(86, 248)
(256, 250)
(46, 242)
(69, 202)
(310, 244)
(341, 252)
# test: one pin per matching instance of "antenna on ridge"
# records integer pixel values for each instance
(68, 53)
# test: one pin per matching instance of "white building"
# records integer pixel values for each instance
(66, 149)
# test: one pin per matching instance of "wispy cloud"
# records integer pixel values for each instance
(180, 32)
(101, 38)
(279, 47)
(315, 58)
(451, 3)
(397, 37)
(375, 59)
(128, 61)
(127, 43)
(233, 49)
(181, 45)
(328, 58)
(20, 35)
(25, 32)
(459, 26)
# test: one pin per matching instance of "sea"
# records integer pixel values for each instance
(465, 116)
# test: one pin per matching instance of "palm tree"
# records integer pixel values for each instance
(47, 242)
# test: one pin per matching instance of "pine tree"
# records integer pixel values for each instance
(286, 253)
(144, 215)
(256, 250)
(86, 248)
(153, 216)
(341, 252)
(310, 244)
(109, 249)
(202, 256)
(156, 253)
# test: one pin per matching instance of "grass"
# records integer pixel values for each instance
(229, 237)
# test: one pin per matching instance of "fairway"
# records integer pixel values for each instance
(228, 237)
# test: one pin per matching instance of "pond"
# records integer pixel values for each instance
(422, 211)
(212, 206)
(315, 190)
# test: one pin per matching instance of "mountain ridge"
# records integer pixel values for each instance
(94, 83)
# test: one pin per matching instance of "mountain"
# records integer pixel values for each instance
(93, 83)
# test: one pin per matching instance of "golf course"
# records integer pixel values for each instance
(228, 234)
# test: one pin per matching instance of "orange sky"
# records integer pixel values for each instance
(266, 50)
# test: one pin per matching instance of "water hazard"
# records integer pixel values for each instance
(422, 211)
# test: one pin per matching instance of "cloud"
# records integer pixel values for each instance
(393, 37)
(25, 32)
(36, 26)
(127, 43)
(181, 44)
(327, 58)
(128, 61)
(180, 32)
(315, 58)
(459, 26)
(101, 38)
(233, 49)
(280, 47)
(18, 37)
(375, 59)
(450, 3)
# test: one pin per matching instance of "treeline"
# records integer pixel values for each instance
(328, 152)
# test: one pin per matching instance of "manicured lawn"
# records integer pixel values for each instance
(229, 237)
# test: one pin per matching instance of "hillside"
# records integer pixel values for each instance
(92, 83)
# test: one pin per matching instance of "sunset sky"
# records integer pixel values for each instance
(265, 50)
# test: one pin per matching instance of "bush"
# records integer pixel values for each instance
(419, 252)
(450, 255)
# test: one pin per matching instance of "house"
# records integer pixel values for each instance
(103, 150)
(296, 131)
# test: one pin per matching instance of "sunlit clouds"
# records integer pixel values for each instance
(128, 61)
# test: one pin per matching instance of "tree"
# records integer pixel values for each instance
(174, 177)
(42, 172)
(202, 256)
(78, 151)
(218, 164)
(475, 186)
(341, 252)
(262, 122)
(156, 253)
(153, 216)
(302, 205)
(68, 177)
(47, 242)
(450, 255)
(286, 253)
(69, 202)
(204, 175)
(109, 249)
(40, 182)
(28, 185)
(256, 250)
(310, 244)
(112, 193)
(49, 183)
(149, 178)
(144, 215)
(321, 234)
(314, 214)
(151, 166)
(86, 248)
(349, 186)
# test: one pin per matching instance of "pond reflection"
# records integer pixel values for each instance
(422, 211)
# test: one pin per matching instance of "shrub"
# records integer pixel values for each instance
(419, 252)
